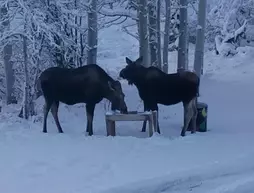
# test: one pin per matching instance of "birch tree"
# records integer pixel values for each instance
(26, 92)
(92, 33)
(199, 49)
(182, 48)
(166, 35)
(143, 35)
(7, 54)
(158, 29)
(152, 32)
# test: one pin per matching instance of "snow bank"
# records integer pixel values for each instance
(238, 68)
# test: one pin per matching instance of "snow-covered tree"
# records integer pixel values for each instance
(7, 55)
(167, 30)
(158, 31)
(143, 31)
(42, 33)
(199, 51)
(182, 48)
(152, 32)
(92, 33)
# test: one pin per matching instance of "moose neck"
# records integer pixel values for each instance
(109, 97)
(109, 94)
(138, 77)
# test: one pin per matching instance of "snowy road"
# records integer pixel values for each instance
(234, 177)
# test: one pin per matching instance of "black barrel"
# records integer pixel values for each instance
(201, 118)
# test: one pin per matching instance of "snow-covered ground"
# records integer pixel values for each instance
(218, 161)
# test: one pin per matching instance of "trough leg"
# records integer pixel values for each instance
(155, 108)
(108, 127)
(90, 113)
(144, 126)
(150, 123)
(144, 122)
(54, 111)
(46, 108)
(188, 114)
(111, 127)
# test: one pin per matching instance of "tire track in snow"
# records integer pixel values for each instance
(220, 178)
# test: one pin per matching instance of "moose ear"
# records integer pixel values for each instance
(110, 85)
(128, 61)
(139, 60)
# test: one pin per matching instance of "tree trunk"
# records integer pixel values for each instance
(166, 36)
(158, 22)
(143, 36)
(81, 45)
(76, 59)
(182, 48)
(36, 91)
(8, 64)
(92, 33)
(199, 49)
(28, 102)
(26, 86)
(152, 32)
(187, 47)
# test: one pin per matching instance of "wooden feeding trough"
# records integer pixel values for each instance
(112, 117)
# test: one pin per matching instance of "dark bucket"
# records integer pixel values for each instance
(201, 118)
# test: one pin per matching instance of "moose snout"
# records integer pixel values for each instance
(124, 110)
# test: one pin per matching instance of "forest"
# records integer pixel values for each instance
(37, 34)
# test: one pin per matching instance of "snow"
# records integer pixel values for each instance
(199, 27)
(218, 161)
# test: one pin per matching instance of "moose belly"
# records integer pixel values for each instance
(164, 97)
(74, 98)
(168, 100)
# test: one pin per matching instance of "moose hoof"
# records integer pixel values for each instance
(44, 131)
(60, 131)
(182, 134)
(193, 132)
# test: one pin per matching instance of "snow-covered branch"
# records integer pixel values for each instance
(122, 13)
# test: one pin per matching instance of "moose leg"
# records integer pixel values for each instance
(144, 122)
(54, 111)
(194, 117)
(87, 128)
(88, 107)
(90, 113)
(47, 106)
(144, 127)
(158, 127)
(188, 114)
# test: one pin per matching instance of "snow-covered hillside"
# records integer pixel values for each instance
(218, 161)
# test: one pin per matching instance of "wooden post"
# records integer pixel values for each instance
(110, 125)
(150, 125)
(155, 120)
